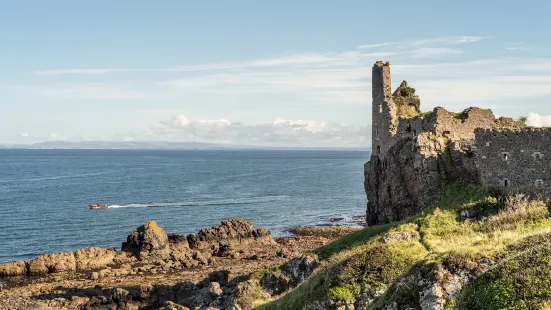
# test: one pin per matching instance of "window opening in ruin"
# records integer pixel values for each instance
(539, 183)
(378, 149)
(505, 182)
(376, 134)
(381, 108)
(415, 132)
(505, 156)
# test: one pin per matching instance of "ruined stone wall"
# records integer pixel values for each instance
(514, 158)
(414, 153)
(383, 109)
(424, 152)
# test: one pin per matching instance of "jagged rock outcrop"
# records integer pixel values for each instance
(148, 241)
(234, 232)
(150, 244)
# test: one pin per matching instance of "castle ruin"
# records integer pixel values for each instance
(413, 153)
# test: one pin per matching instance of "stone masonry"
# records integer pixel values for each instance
(413, 153)
(515, 159)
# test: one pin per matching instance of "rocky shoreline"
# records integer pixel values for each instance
(220, 267)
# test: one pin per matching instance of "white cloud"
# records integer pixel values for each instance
(536, 120)
(449, 40)
(280, 132)
(289, 60)
(339, 78)
(84, 91)
(517, 48)
(24, 134)
(369, 46)
(433, 51)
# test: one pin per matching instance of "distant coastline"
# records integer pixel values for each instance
(161, 145)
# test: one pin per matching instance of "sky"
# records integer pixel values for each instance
(259, 72)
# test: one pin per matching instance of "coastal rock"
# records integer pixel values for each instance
(275, 283)
(244, 295)
(180, 251)
(93, 258)
(300, 268)
(234, 232)
(169, 305)
(149, 240)
(220, 276)
(51, 263)
(124, 258)
(13, 269)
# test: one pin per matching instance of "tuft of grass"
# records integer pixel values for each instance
(407, 111)
(345, 293)
(521, 122)
(425, 114)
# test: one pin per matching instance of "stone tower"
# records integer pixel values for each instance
(383, 115)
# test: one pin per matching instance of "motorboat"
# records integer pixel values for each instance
(98, 206)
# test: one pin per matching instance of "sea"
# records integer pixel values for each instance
(45, 194)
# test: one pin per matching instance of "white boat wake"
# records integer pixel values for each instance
(202, 203)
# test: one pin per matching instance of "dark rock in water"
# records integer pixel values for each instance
(336, 219)
(149, 240)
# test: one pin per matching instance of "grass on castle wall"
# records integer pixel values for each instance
(367, 261)
(407, 111)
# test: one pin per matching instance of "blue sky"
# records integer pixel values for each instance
(278, 72)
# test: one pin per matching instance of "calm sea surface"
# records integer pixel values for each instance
(44, 194)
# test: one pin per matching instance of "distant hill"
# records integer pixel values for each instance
(158, 145)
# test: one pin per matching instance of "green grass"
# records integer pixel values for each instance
(426, 114)
(351, 240)
(345, 293)
(407, 111)
(521, 122)
(521, 282)
(371, 261)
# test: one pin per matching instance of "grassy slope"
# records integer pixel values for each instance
(367, 262)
